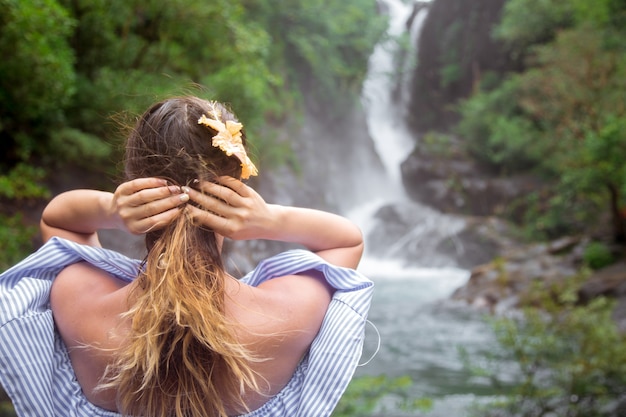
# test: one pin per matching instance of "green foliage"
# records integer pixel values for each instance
(608, 16)
(77, 147)
(23, 182)
(597, 255)
(575, 83)
(598, 158)
(6, 407)
(74, 69)
(530, 22)
(496, 130)
(570, 360)
(450, 71)
(36, 73)
(328, 41)
(364, 395)
(564, 117)
(551, 212)
(577, 97)
(73, 64)
(15, 240)
(6, 410)
(450, 74)
(440, 144)
(138, 51)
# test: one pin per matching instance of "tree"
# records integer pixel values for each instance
(37, 78)
(131, 52)
(323, 45)
(563, 116)
(526, 23)
(576, 93)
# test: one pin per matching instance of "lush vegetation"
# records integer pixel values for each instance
(568, 358)
(71, 70)
(563, 117)
(366, 394)
(560, 118)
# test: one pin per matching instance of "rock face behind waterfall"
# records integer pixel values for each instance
(446, 179)
(455, 52)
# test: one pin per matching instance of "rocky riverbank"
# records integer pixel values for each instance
(505, 282)
(444, 178)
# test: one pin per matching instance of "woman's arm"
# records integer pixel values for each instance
(136, 207)
(332, 237)
(236, 211)
(231, 208)
(77, 215)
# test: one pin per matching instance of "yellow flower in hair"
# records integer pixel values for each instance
(228, 139)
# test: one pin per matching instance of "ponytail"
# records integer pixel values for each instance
(181, 356)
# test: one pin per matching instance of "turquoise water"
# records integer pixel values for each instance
(421, 333)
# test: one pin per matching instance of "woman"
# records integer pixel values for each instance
(89, 330)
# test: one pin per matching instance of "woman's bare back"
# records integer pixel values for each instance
(277, 321)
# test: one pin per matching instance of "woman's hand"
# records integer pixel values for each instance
(137, 206)
(236, 211)
(146, 204)
(232, 209)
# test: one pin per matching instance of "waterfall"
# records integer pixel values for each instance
(385, 115)
(396, 228)
(413, 251)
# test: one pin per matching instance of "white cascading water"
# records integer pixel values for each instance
(385, 122)
(393, 142)
(419, 332)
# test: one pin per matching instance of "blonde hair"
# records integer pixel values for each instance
(181, 357)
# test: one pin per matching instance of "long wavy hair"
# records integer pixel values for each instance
(181, 357)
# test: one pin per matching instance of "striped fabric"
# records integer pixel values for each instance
(36, 372)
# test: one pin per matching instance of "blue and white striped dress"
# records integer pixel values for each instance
(36, 372)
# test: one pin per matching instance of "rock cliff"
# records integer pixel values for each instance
(456, 51)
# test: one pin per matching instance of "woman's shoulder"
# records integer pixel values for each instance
(86, 293)
(87, 304)
(283, 303)
(83, 298)
(278, 320)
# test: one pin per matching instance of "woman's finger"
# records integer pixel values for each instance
(147, 203)
(234, 184)
(209, 219)
(221, 192)
(210, 202)
(228, 212)
(160, 205)
(149, 195)
(138, 184)
(154, 222)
